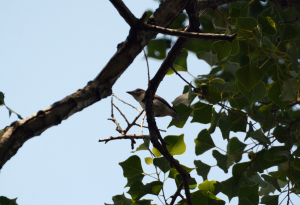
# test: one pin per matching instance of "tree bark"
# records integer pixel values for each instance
(20, 131)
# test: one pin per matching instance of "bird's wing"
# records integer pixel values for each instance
(156, 97)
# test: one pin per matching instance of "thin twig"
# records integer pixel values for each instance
(121, 113)
(185, 34)
(143, 123)
(126, 137)
(126, 103)
(119, 129)
(177, 193)
(147, 65)
(133, 122)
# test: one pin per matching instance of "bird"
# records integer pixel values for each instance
(161, 107)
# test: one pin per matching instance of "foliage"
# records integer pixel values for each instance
(253, 88)
(10, 111)
(6, 201)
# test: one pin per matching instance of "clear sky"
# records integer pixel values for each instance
(48, 50)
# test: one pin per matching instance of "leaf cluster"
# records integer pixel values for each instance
(253, 88)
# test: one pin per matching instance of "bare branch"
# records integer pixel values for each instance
(126, 103)
(19, 132)
(121, 114)
(173, 32)
(133, 122)
(142, 123)
(126, 137)
(124, 12)
(147, 66)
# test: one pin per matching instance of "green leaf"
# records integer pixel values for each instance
(179, 22)
(142, 202)
(179, 63)
(199, 198)
(235, 12)
(184, 99)
(202, 113)
(267, 24)
(222, 48)
(153, 187)
(249, 76)
(239, 171)
(157, 48)
(184, 113)
(221, 160)
(232, 67)
(175, 144)
(207, 186)
(235, 47)
(238, 102)
(290, 88)
(1, 98)
(271, 180)
(132, 166)
(246, 23)
(269, 200)
(235, 149)
(162, 163)
(225, 127)
(267, 190)
(289, 32)
(293, 57)
(203, 142)
(214, 122)
(230, 188)
(136, 190)
(121, 200)
(143, 146)
(238, 120)
(6, 201)
(260, 137)
(156, 152)
(148, 160)
(250, 193)
(130, 180)
(254, 95)
(210, 58)
(274, 92)
(202, 169)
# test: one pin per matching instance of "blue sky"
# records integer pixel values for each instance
(48, 50)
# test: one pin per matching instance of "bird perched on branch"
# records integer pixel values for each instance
(161, 107)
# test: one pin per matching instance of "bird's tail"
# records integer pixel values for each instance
(175, 115)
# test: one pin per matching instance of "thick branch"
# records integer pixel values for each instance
(124, 12)
(19, 132)
(154, 133)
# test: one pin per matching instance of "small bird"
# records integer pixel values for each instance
(160, 106)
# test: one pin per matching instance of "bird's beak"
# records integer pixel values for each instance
(130, 92)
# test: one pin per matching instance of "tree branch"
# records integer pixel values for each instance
(126, 137)
(177, 193)
(154, 133)
(173, 32)
(19, 132)
(124, 12)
